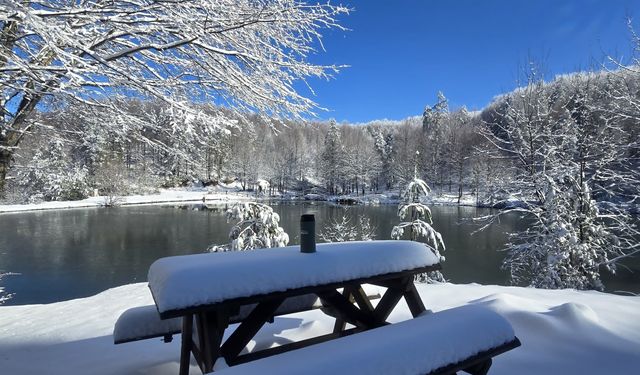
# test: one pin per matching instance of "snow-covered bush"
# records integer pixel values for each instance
(416, 223)
(343, 230)
(111, 181)
(257, 227)
(50, 177)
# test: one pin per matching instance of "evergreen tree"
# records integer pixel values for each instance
(417, 220)
(332, 158)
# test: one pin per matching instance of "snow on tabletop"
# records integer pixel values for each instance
(415, 346)
(192, 280)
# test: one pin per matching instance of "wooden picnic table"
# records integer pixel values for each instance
(207, 289)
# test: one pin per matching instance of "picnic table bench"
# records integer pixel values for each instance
(206, 291)
(144, 322)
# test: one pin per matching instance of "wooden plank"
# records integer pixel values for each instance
(249, 327)
(291, 346)
(296, 292)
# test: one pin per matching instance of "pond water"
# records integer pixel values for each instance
(65, 254)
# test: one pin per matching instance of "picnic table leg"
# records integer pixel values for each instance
(341, 324)
(395, 291)
(413, 299)
(211, 326)
(185, 350)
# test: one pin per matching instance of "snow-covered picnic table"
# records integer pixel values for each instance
(207, 289)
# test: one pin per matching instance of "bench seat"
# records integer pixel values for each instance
(143, 322)
(462, 338)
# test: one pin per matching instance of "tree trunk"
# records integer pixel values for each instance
(5, 163)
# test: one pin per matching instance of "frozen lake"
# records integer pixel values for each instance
(67, 254)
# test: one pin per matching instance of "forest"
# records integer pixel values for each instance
(456, 151)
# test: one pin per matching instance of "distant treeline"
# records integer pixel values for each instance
(452, 149)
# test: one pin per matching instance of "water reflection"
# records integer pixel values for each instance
(74, 253)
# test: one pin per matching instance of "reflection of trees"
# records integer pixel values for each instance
(97, 247)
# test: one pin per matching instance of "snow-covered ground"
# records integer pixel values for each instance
(224, 194)
(178, 195)
(562, 332)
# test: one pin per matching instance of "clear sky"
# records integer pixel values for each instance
(402, 52)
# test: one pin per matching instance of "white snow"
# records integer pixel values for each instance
(414, 346)
(163, 197)
(143, 321)
(562, 332)
(177, 282)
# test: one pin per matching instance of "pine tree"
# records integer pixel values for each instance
(566, 244)
(332, 158)
(417, 221)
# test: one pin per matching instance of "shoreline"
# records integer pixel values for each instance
(196, 196)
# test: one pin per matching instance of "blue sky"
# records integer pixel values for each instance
(402, 52)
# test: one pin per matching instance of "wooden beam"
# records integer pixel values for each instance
(185, 349)
(249, 327)
(348, 311)
(361, 298)
(291, 346)
(340, 324)
(389, 300)
(416, 306)
(210, 328)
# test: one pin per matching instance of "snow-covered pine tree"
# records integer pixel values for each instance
(332, 158)
(565, 245)
(417, 220)
(384, 143)
(433, 154)
(257, 227)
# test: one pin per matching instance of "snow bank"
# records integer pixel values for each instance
(165, 196)
(181, 281)
(562, 332)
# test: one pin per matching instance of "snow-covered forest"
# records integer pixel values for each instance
(71, 152)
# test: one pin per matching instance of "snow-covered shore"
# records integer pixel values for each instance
(562, 332)
(165, 196)
(196, 195)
